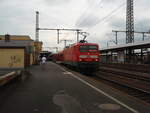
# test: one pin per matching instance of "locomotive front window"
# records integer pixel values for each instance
(84, 49)
(92, 47)
(87, 48)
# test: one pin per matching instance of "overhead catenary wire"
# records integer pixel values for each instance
(83, 17)
(84, 21)
(107, 16)
(100, 2)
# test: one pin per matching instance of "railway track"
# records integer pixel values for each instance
(130, 67)
(130, 81)
(130, 74)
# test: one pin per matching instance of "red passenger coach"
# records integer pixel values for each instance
(57, 57)
(83, 56)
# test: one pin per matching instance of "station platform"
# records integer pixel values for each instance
(4, 72)
(54, 89)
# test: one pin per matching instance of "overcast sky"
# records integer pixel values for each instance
(98, 17)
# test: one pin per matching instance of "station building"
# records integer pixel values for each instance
(18, 51)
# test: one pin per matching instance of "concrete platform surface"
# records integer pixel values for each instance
(4, 72)
(53, 89)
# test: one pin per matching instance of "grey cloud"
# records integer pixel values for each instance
(99, 2)
(18, 17)
(89, 20)
(3, 1)
(15, 19)
(57, 2)
(118, 23)
(143, 25)
(140, 25)
(110, 1)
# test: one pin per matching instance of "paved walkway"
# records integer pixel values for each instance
(54, 90)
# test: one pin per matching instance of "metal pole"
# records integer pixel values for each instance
(77, 36)
(116, 37)
(143, 36)
(37, 26)
(65, 41)
(57, 36)
(57, 49)
(107, 44)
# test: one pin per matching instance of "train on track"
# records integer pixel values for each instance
(82, 56)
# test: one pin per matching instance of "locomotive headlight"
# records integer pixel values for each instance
(80, 60)
(96, 59)
(93, 56)
(83, 56)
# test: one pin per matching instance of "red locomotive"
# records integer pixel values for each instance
(83, 56)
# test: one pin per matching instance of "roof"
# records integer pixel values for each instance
(16, 37)
(75, 44)
(136, 45)
(87, 44)
(16, 43)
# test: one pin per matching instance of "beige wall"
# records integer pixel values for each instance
(11, 58)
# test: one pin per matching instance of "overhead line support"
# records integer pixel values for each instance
(138, 32)
(130, 22)
(58, 30)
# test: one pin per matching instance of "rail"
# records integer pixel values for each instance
(128, 79)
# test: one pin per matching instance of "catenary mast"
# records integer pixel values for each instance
(130, 22)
